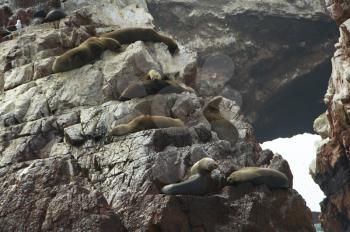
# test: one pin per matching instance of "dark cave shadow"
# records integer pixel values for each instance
(293, 109)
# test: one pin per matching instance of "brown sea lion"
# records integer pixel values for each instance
(145, 122)
(143, 88)
(133, 34)
(223, 128)
(257, 176)
(201, 183)
(90, 50)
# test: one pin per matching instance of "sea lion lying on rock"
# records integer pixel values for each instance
(54, 15)
(90, 50)
(143, 88)
(201, 183)
(133, 34)
(145, 122)
(223, 127)
(257, 176)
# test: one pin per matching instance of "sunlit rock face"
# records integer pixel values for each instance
(266, 55)
(60, 168)
(332, 169)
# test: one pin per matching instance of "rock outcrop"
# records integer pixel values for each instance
(61, 171)
(265, 55)
(332, 169)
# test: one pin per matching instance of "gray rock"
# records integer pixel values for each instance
(282, 165)
(322, 126)
(59, 170)
(246, 46)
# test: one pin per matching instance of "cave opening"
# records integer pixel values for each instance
(293, 109)
(285, 126)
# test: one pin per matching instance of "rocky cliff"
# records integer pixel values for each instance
(331, 169)
(276, 51)
(61, 172)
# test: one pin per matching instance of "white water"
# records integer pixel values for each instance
(299, 151)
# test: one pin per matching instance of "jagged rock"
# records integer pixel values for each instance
(18, 76)
(43, 68)
(61, 170)
(245, 47)
(48, 194)
(265, 157)
(331, 169)
(190, 213)
(280, 164)
(322, 127)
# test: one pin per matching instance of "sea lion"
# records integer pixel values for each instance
(145, 122)
(203, 166)
(54, 15)
(133, 34)
(154, 75)
(90, 50)
(257, 176)
(223, 128)
(201, 183)
(143, 88)
(195, 185)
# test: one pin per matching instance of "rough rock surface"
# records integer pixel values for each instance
(59, 171)
(332, 170)
(265, 55)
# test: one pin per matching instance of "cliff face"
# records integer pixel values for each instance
(331, 170)
(60, 171)
(276, 51)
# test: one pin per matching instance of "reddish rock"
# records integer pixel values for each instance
(333, 156)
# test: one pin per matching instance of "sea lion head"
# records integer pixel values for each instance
(242, 174)
(233, 178)
(214, 103)
(211, 110)
(153, 75)
(204, 166)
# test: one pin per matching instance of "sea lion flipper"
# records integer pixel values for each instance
(111, 44)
